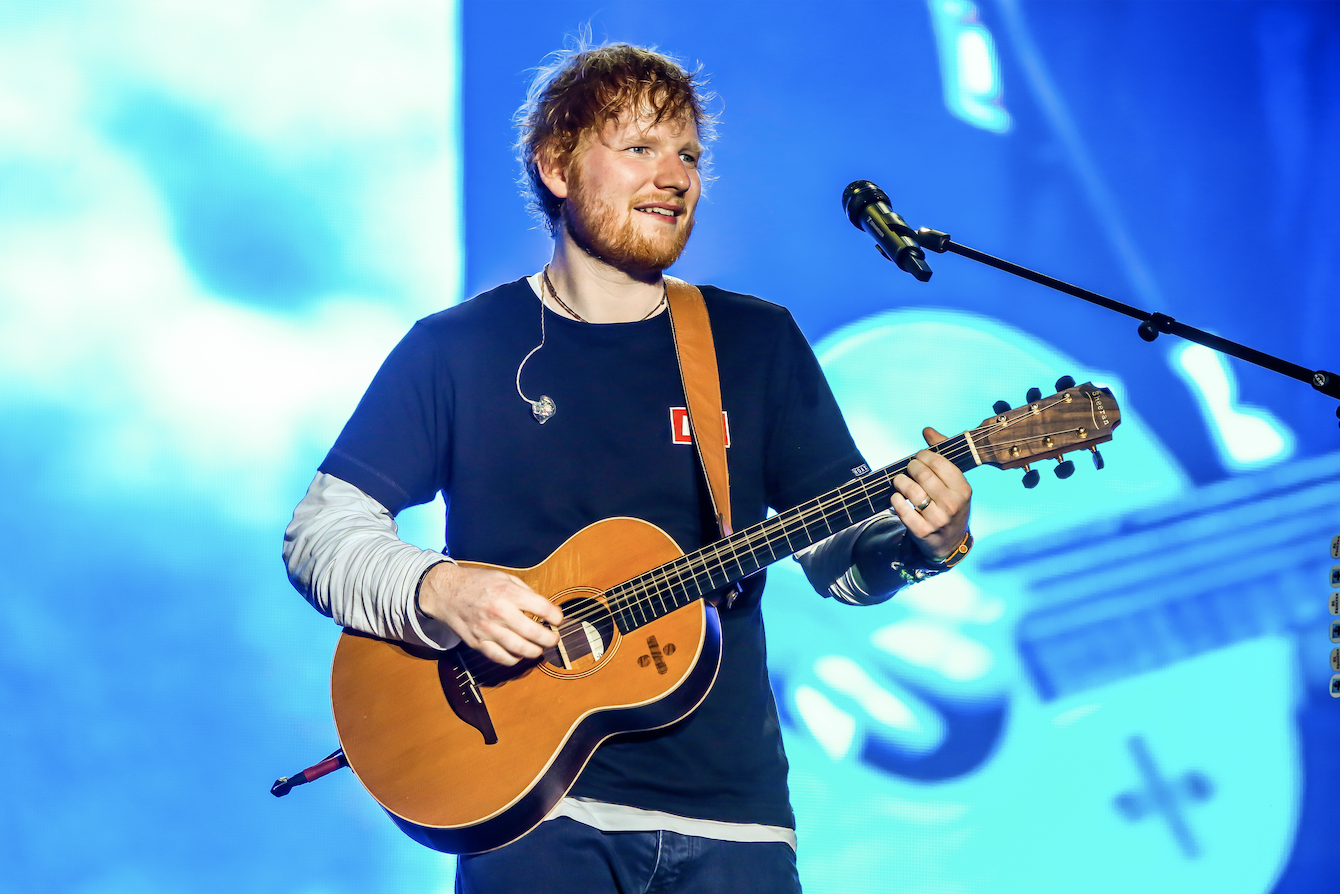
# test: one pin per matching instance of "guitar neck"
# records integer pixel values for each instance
(662, 590)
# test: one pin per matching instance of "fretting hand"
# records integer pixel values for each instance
(932, 500)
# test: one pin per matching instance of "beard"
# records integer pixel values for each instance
(609, 234)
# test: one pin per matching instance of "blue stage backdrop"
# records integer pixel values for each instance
(216, 221)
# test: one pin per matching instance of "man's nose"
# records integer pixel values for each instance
(673, 173)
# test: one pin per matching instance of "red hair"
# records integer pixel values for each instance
(580, 89)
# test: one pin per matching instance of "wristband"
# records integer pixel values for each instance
(958, 553)
(919, 567)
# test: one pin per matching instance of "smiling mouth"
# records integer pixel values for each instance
(667, 213)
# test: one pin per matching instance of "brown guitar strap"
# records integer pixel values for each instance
(702, 390)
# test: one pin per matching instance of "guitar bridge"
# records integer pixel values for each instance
(464, 696)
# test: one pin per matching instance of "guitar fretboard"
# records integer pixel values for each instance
(675, 584)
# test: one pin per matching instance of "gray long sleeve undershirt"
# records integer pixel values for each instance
(344, 555)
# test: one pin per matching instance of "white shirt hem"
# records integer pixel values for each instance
(618, 818)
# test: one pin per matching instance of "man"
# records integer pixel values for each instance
(611, 143)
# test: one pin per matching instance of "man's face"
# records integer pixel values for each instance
(632, 190)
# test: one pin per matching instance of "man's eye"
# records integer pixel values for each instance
(638, 149)
(689, 159)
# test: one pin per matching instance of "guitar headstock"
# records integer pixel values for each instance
(1077, 417)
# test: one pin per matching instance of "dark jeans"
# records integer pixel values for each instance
(563, 855)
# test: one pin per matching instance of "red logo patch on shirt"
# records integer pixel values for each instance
(681, 433)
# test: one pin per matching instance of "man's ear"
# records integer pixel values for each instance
(553, 171)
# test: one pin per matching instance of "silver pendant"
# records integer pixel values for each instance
(543, 409)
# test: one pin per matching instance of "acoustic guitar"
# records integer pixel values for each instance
(467, 755)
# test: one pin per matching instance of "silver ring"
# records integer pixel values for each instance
(923, 504)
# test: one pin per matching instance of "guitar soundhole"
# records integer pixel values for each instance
(586, 635)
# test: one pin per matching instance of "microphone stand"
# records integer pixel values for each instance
(1151, 324)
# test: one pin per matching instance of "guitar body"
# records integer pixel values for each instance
(462, 780)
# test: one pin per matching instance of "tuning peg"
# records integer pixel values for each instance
(1033, 395)
(1064, 468)
(1065, 382)
(1097, 458)
(1001, 407)
(1031, 478)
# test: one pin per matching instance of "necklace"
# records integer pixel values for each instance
(578, 317)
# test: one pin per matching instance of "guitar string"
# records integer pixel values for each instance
(710, 557)
(657, 586)
(658, 582)
(671, 576)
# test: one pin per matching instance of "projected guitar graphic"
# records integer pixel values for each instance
(467, 755)
(1121, 635)
(1131, 729)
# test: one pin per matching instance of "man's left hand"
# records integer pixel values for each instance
(938, 526)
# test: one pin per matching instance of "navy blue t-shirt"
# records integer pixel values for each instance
(443, 414)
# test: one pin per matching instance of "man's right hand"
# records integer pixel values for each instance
(491, 611)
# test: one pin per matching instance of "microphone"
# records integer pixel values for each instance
(868, 209)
